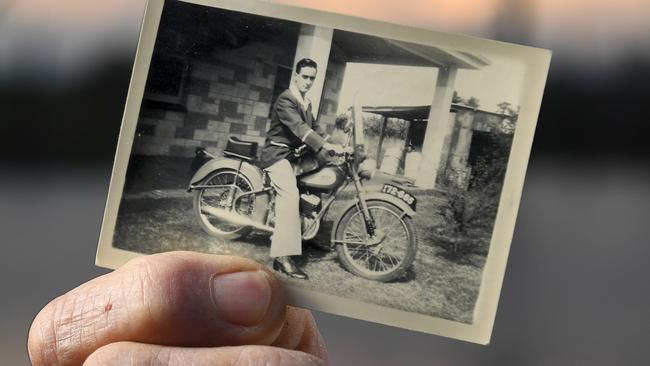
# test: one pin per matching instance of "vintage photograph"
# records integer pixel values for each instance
(359, 167)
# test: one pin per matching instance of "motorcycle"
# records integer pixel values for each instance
(374, 235)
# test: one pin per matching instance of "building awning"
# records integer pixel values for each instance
(362, 48)
(419, 113)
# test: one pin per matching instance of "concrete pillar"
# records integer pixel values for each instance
(459, 171)
(315, 43)
(460, 151)
(382, 131)
(446, 153)
(439, 127)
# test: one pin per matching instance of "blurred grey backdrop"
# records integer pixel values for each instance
(576, 287)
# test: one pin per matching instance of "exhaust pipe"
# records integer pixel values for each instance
(234, 218)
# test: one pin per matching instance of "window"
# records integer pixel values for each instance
(167, 77)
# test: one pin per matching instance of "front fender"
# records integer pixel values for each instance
(374, 196)
(379, 196)
(250, 171)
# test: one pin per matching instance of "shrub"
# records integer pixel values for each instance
(470, 214)
(469, 218)
(395, 128)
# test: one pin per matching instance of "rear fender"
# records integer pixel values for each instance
(250, 171)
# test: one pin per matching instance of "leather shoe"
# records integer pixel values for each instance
(286, 266)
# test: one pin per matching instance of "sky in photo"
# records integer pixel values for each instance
(388, 85)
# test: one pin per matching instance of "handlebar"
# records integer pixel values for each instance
(346, 151)
(300, 151)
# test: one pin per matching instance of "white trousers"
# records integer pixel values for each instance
(287, 237)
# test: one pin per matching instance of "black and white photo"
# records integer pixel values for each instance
(376, 168)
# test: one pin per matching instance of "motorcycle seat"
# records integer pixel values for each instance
(237, 148)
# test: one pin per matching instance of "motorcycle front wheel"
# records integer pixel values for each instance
(388, 254)
(217, 197)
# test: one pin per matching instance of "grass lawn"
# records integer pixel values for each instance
(440, 284)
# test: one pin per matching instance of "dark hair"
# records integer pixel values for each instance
(305, 62)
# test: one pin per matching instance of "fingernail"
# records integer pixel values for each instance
(242, 298)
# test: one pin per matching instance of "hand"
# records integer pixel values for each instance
(336, 149)
(159, 309)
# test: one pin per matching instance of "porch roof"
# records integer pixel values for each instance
(363, 48)
(418, 113)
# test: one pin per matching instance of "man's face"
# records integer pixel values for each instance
(305, 79)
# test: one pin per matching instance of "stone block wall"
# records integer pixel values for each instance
(454, 167)
(227, 95)
(486, 122)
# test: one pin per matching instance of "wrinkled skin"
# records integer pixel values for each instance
(177, 308)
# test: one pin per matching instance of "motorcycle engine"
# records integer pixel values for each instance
(310, 204)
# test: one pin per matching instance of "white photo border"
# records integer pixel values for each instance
(536, 62)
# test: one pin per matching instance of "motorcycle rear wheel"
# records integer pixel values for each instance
(215, 197)
(383, 262)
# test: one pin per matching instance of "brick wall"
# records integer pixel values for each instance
(459, 173)
(486, 122)
(228, 94)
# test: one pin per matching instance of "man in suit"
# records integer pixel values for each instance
(292, 125)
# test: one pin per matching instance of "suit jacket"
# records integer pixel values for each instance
(290, 125)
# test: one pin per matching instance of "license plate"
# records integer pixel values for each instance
(401, 194)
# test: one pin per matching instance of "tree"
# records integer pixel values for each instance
(506, 108)
(395, 128)
(514, 114)
(473, 102)
(503, 107)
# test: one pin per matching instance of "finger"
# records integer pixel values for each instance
(175, 299)
(301, 333)
(132, 354)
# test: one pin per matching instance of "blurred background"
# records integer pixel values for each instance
(576, 288)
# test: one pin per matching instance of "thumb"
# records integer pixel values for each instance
(174, 299)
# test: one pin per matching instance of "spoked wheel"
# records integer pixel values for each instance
(383, 257)
(217, 197)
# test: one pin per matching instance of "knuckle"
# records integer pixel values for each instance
(153, 274)
(74, 324)
(150, 279)
(64, 326)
